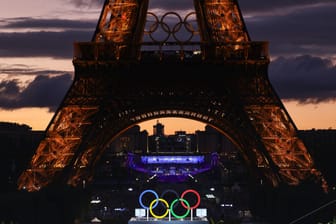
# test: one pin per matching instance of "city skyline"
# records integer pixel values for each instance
(36, 56)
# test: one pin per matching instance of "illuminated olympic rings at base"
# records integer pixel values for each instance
(170, 208)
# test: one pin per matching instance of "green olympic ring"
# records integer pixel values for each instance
(172, 206)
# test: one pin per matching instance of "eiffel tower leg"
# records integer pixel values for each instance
(276, 129)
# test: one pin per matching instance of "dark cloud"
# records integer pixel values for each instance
(21, 69)
(57, 44)
(247, 6)
(172, 5)
(305, 31)
(63, 24)
(49, 44)
(271, 5)
(306, 79)
(166, 5)
(87, 3)
(9, 89)
(43, 91)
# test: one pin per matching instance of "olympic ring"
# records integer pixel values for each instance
(169, 191)
(157, 201)
(142, 194)
(197, 195)
(170, 208)
(170, 24)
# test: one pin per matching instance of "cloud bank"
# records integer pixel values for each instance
(43, 91)
(305, 79)
(87, 3)
(305, 31)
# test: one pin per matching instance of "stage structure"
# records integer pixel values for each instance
(172, 167)
(141, 66)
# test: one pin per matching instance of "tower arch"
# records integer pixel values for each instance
(118, 84)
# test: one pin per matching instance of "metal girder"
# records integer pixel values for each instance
(277, 130)
(279, 137)
(221, 21)
(116, 21)
(121, 21)
(57, 149)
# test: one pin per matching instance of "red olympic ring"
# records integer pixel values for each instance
(197, 195)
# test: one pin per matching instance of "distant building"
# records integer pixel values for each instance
(322, 146)
(158, 129)
(206, 141)
(211, 140)
(180, 142)
(132, 140)
(18, 144)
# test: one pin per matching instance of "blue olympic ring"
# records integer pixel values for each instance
(150, 191)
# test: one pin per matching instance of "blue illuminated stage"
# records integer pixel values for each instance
(172, 168)
(196, 220)
(172, 159)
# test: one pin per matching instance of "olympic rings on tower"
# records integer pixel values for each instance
(170, 208)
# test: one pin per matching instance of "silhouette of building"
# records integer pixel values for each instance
(133, 140)
(322, 145)
(180, 142)
(18, 143)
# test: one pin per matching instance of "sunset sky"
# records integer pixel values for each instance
(36, 47)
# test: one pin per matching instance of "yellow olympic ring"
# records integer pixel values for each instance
(151, 209)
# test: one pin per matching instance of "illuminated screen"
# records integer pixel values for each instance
(201, 212)
(140, 212)
(172, 159)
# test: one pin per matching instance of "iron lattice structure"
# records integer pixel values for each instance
(127, 75)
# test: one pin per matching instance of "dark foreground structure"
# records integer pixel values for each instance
(239, 197)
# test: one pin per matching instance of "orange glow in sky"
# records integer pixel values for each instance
(305, 117)
(308, 116)
(37, 118)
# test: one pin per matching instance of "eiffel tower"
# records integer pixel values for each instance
(137, 68)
